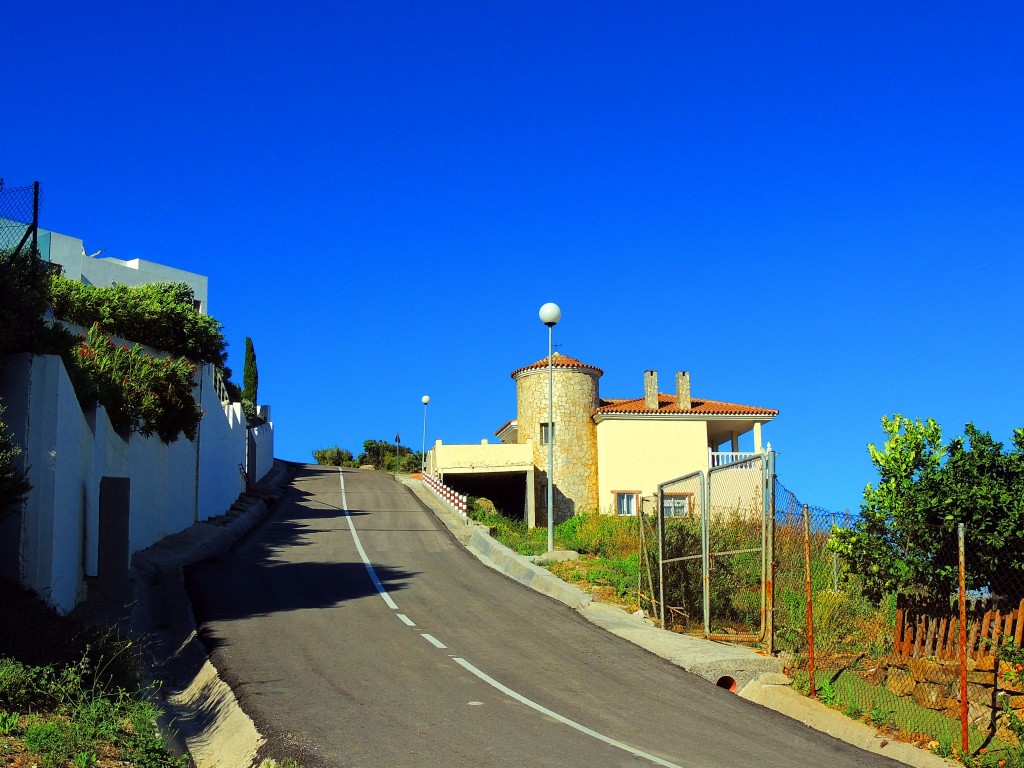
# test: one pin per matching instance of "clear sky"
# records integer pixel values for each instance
(815, 207)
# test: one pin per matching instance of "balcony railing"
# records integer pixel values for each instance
(721, 458)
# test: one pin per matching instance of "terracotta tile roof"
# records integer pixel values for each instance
(667, 404)
(558, 360)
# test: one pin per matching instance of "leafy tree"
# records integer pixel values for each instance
(382, 455)
(250, 375)
(24, 297)
(375, 453)
(983, 487)
(905, 540)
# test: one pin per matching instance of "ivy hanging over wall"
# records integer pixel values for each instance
(141, 393)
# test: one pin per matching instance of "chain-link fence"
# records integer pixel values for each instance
(716, 554)
(737, 550)
(19, 217)
(682, 595)
(947, 673)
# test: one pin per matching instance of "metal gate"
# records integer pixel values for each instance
(715, 533)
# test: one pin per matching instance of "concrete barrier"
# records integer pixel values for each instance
(520, 568)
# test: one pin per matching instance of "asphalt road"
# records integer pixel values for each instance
(429, 658)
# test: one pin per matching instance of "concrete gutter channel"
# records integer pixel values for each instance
(204, 716)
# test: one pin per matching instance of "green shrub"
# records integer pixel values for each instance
(159, 315)
(622, 574)
(334, 457)
(21, 686)
(35, 639)
(605, 535)
(53, 740)
(249, 411)
(8, 722)
(234, 391)
(80, 684)
(828, 695)
(78, 710)
(514, 534)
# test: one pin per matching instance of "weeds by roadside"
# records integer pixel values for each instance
(609, 564)
(69, 693)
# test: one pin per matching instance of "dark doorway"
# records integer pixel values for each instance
(112, 582)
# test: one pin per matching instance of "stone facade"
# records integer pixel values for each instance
(575, 389)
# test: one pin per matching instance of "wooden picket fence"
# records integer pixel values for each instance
(919, 636)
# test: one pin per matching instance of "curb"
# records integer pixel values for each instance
(521, 569)
(494, 554)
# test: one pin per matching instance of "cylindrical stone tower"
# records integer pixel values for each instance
(575, 446)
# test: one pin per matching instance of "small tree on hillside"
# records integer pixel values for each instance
(334, 457)
(905, 540)
(250, 374)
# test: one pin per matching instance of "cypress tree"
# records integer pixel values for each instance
(250, 375)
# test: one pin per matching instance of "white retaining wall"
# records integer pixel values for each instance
(262, 444)
(53, 543)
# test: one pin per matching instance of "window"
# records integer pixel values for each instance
(625, 503)
(677, 505)
(546, 431)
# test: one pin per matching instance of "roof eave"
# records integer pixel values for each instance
(763, 418)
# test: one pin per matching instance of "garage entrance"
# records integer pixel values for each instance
(506, 489)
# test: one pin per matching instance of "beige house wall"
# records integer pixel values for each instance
(487, 458)
(479, 457)
(636, 454)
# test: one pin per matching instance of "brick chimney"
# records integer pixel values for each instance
(683, 390)
(651, 390)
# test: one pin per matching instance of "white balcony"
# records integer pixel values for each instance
(722, 458)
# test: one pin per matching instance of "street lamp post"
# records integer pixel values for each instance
(550, 314)
(423, 451)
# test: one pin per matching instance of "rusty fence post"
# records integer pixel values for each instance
(964, 704)
(810, 602)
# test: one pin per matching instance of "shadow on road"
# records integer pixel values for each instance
(265, 572)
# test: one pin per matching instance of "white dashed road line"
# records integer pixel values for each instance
(478, 673)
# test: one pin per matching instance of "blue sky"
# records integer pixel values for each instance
(814, 207)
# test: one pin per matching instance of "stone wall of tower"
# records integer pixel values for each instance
(575, 448)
